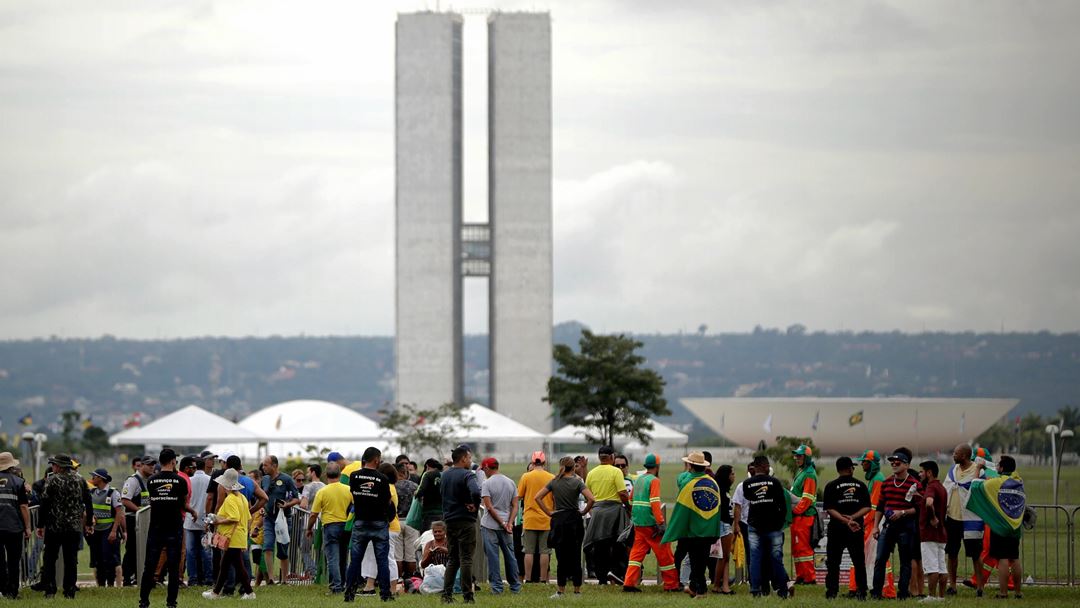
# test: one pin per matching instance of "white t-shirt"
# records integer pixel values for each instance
(739, 499)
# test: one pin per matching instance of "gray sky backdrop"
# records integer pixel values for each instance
(189, 168)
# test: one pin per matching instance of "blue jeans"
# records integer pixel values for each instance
(767, 546)
(899, 534)
(377, 533)
(496, 542)
(335, 547)
(199, 560)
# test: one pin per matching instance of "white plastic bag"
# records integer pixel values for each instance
(281, 528)
(433, 579)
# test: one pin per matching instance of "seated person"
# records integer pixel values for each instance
(437, 550)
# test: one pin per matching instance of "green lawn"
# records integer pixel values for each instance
(532, 596)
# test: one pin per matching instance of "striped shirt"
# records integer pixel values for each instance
(894, 494)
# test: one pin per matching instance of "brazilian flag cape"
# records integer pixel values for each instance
(1000, 503)
(697, 510)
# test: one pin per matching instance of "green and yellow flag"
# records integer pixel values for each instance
(697, 510)
(855, 418)
(999, 502)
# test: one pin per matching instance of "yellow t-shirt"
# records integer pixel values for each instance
(349, 469)
(530, 485)
(395, 524)
(605, 482)
(235, 507)
(333, 501)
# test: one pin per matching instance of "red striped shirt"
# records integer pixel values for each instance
(894, 494)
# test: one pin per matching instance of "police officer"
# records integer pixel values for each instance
(14, 524)
(133, 496)
(108, 527)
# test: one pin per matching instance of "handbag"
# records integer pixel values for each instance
(416, 515)
(219, 541)
(626, 537)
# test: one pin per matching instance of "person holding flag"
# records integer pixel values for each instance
(961, 525)
(1000, 501)
(803, 497)
(695, 520)
(649, 527)
(871, 466)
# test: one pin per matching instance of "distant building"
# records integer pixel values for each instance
(435, 250)
(851, 425)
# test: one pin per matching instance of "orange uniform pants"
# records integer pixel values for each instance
(801, 551)
(645, 540)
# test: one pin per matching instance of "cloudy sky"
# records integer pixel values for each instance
(191, 168)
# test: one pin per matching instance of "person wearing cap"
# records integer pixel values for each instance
(133, 496)
(609, 517)
(982, 455)
(897, 509)
(847, 502)
(803, 496)
(168, 504)
(232, 521)
(64, 505)
(870, 461)
(430, 494)
(647, 515)
(14, 524)
(769, 514)
(499, 496)
(962, 527)
(108, 527)
(536, 524)
(695, 520)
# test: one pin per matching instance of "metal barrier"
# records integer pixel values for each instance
(303, 560)
(1046, 553)
(32, 551)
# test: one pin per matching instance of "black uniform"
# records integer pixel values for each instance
(847, 496)
(168, 497)
(12, 528)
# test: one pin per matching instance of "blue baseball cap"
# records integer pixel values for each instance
(334, 457)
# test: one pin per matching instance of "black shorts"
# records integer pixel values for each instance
(1004, 547)
(955, 534)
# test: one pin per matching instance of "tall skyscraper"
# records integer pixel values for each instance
(436, 250)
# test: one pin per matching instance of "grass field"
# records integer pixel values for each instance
(532, 596)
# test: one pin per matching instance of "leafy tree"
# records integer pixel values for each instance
(999, 438)
(426, 430)
(605, 389)
(96, 441)
(781, 457)
(1069, 417)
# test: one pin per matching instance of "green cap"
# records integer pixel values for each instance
(651, 460)
(803, 450)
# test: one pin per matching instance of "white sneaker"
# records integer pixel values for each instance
(555, 596)
(248, 596)
(210, 595)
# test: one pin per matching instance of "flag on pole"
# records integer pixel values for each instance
(855, 418)
(963, 420)
(722, 418)
(768, 424)
(277, 425)
(817, 418)
(26, 420)
(916, 425)
(89, 422)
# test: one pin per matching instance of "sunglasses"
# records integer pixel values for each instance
(621, 466)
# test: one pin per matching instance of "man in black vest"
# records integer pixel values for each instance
(14, 524)
(168, 497)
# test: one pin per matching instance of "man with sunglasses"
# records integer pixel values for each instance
(896, 508)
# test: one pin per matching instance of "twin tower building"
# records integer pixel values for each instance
(436, 249)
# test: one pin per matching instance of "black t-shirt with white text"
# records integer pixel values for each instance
(845, 495)
(371, 495)
(168, 497)
(768, 507)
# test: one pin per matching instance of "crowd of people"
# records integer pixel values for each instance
(387, 528)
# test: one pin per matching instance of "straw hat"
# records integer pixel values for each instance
(696, 459)
(230, 480)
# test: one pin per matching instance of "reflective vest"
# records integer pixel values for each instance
(103, 512)
(641, 513)
(10, 514)
(144, 494)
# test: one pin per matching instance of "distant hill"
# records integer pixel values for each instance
(111, 379)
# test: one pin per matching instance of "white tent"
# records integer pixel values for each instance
(308, 428)
(190, 426)
(660, 436)
(495, 427)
